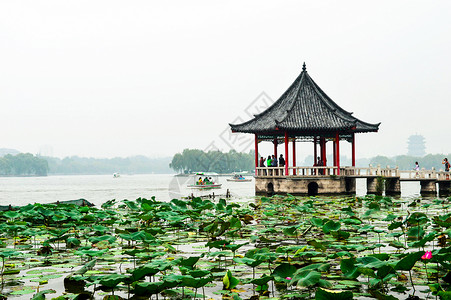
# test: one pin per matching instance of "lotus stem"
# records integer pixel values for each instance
(411, 281)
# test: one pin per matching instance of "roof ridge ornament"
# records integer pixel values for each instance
(303, 67)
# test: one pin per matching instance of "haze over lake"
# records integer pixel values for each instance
(101, 188)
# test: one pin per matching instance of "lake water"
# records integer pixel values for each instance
(100, 188)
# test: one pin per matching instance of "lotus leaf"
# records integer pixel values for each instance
(407, 262)
(331, 225)
(306, 278)
(324, 294)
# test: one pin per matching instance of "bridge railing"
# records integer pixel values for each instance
(352, 171)
(442, 175)
(420, 174)
(313, 171)
(297, 171)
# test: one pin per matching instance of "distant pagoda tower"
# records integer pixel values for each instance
(416, 145)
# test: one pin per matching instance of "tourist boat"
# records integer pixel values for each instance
(203, 180)
(116, 175)
(238, 178)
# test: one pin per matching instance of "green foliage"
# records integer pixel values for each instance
(323, 294)
(194, 160)
(23, 164)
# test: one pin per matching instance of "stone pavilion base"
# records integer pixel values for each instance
(333, 185)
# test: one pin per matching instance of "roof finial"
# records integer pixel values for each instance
(303, 67)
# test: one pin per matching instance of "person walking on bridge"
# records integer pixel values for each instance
(446, 163)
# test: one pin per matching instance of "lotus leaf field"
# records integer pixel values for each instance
(283, 247)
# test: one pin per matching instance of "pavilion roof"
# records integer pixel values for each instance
(304, 109)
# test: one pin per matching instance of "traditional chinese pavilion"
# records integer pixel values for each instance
(304, 113)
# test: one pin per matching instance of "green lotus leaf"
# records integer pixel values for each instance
(148, 288)
(189, 262)
(317, 221)
(11, 214)
(306, 278)
(331, 226)
(324, 294)
(248, 261)
(190, 281)
(113, 280)
(262, 280)
(407, 263)
(284, 272)
(349, 268)
(199, 273)
(41, 295)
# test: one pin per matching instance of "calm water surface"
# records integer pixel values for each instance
(100, 188)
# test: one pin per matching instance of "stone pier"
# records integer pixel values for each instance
(371, 186)
(444, 187)
(392, 186)
(305, 186)
(428, 187)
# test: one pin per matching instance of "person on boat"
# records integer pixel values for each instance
(199, 182)
(210, 180)
(206, 181)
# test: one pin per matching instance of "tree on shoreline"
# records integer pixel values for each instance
(23, 164)
(194, 160)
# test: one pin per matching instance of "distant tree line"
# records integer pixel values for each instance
(129, 165)
(23, 164)
(194, 160)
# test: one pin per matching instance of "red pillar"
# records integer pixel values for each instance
(275, 147)
(286, 154)
(353, 149)
(334, 146)
(294, 155)
(337, 141)
(256, 154)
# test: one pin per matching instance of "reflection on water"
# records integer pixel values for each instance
(100, 188)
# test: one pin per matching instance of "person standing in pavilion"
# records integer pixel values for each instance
(262, 164)
(269, 163)
(274, 164)
(281, 162)
(320, 163)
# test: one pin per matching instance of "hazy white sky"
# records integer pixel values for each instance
(119, 78)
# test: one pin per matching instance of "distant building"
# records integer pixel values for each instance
(416, 145)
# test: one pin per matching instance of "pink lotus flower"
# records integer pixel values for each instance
(427, 255)
(288, 278)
